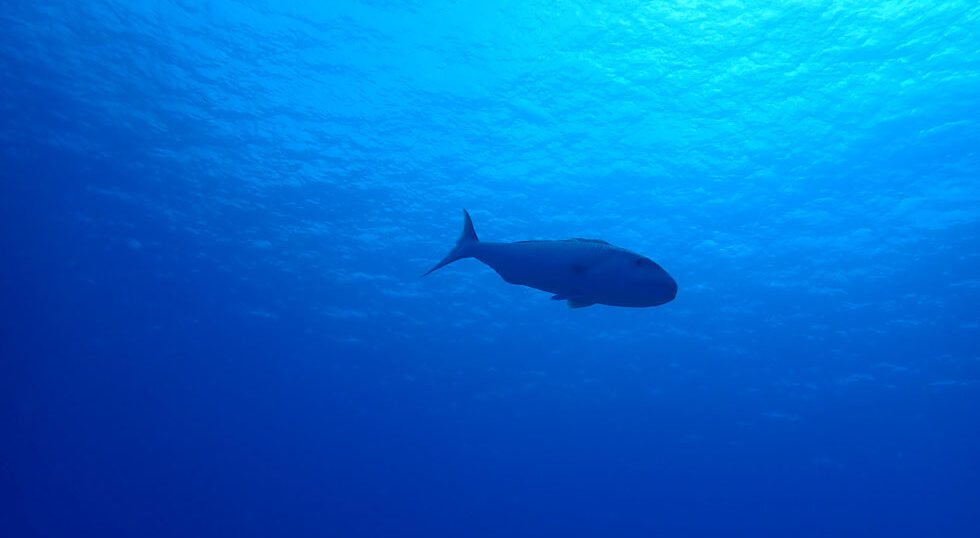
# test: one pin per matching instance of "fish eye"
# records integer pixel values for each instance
(639, 261)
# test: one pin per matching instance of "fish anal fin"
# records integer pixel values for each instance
(570, 295)
(579, 303)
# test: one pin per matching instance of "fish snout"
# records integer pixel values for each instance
(666, 289)
(672, 289)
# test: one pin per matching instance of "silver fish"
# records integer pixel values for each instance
(582, 272)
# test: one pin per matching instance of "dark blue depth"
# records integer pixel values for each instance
(215, 218)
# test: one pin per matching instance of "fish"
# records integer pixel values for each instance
(581, 272)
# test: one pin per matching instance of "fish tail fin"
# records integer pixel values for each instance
(464, 245)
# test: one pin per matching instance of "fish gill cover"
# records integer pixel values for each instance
(215, 215)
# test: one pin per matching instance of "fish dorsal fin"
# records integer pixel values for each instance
(584, 240)
(573, 240)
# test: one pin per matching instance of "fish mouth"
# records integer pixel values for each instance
(666, 291)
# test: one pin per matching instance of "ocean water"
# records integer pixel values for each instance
(216, 216)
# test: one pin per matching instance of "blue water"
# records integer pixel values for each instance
(215, 218)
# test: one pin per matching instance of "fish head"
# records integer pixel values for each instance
(639, 281)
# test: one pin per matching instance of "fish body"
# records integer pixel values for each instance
(582, 272)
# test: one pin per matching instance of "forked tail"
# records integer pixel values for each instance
(464, 245)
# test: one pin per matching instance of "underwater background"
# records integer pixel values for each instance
(216, 215)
